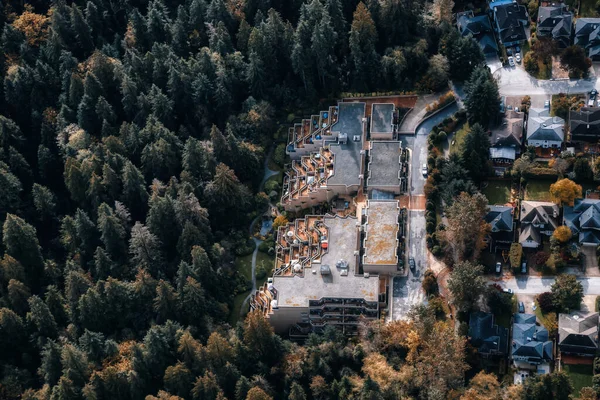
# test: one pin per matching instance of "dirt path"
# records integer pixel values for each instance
(267, 174)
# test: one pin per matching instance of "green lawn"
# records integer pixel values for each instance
(238, 300)
(538, 190)
(581, 376)
(588, 9)
(459, 138)
(497, 192)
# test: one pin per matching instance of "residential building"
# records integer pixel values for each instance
(386, 170)
(587, 35)
(316, 280)
(382, 121)
(531, 347)
(312, 133)
(584, 125)
(506, 140)
(555, 22)
(381, 239)
(578, 334)
(501, 234)
(334, 169)
(584, 221)
(488, 338)
(538, 219)
(510, 19)
(544, 130)
(480, 28)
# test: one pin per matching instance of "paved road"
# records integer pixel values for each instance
(517, 82)
(407, 290)
(537, 285)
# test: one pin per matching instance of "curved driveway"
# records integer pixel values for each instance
(517, 82)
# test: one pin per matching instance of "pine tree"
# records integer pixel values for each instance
(164, 302)
(144, 248)
(134, 196)
(41, 317)
(482, 97)
(21, 243)
(18, 294)
(10, 199)
(82, 31)
(178, 380)
(363, 40)
(44, 201)
(50, 368)
(112, 232)
(193, 304)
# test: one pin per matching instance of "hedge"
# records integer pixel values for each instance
(515, 254)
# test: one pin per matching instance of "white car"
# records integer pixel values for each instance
(511, 61)
(518, 58)
(424, 170)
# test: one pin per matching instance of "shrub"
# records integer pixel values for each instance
(436, 305)
(597, 303)
(429, 284)
(515, 254)
(546, 302)
(540, 258)
(279, 155)
(444, 100)
(437, 251)
(596, 365)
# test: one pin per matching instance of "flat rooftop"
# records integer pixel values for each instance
(381, 233)
(348, 159)
(382, 117)
(384, 163)
(296, 291)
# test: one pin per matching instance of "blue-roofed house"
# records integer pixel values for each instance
(480, 28)
(510, 19)
(489, 338)
(587, 35)
(531, 347)
(501, 234)
(584, 221)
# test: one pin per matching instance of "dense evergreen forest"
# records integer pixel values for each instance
(133, 135)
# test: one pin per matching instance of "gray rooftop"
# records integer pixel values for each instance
(578, 329)
(297, 290)
(381, 232)
(348, 159)
(384, 164)
(382, 118)
(541, 126)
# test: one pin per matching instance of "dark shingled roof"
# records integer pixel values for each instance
(500, 218)
(585, 124)
(488, 337)
(578, 332)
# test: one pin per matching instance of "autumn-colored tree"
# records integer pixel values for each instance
(280, 220)
(563, 234)
(257, 393)
(565, 191)
(34, 26)
(483, 386)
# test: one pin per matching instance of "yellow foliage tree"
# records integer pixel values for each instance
(565, 191)
(483, 387)
(34, 27)
(280, 220)
(563, 234)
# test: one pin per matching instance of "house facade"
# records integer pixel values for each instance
(584, 125)
(587, 35)
(544, 130)
(531, 348)
(538, 219)
(501, 234)
(584, 221)
(510, 20)
(555, 22)
(480, 28)
(578, 334)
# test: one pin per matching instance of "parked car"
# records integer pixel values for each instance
(524, 267)
(411, 263)
(547, 104)
(424, 170)
(517, 49)
(591, 102)
(511, 61)
(518, 58)
(509, 51)
(521, 307)
(498, 268)
(507, 290)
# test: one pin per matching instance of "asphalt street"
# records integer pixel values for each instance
(517, 82)
(407, 290)
(537, 285)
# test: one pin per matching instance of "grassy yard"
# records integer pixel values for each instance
(588, 9)
(581, 376)
(538, 190)
(497, 192)
(244, 265)
(459, 138)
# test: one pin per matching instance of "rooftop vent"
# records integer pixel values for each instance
(356, 138)
(367, 275)
(325, 270)
(344, 272)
